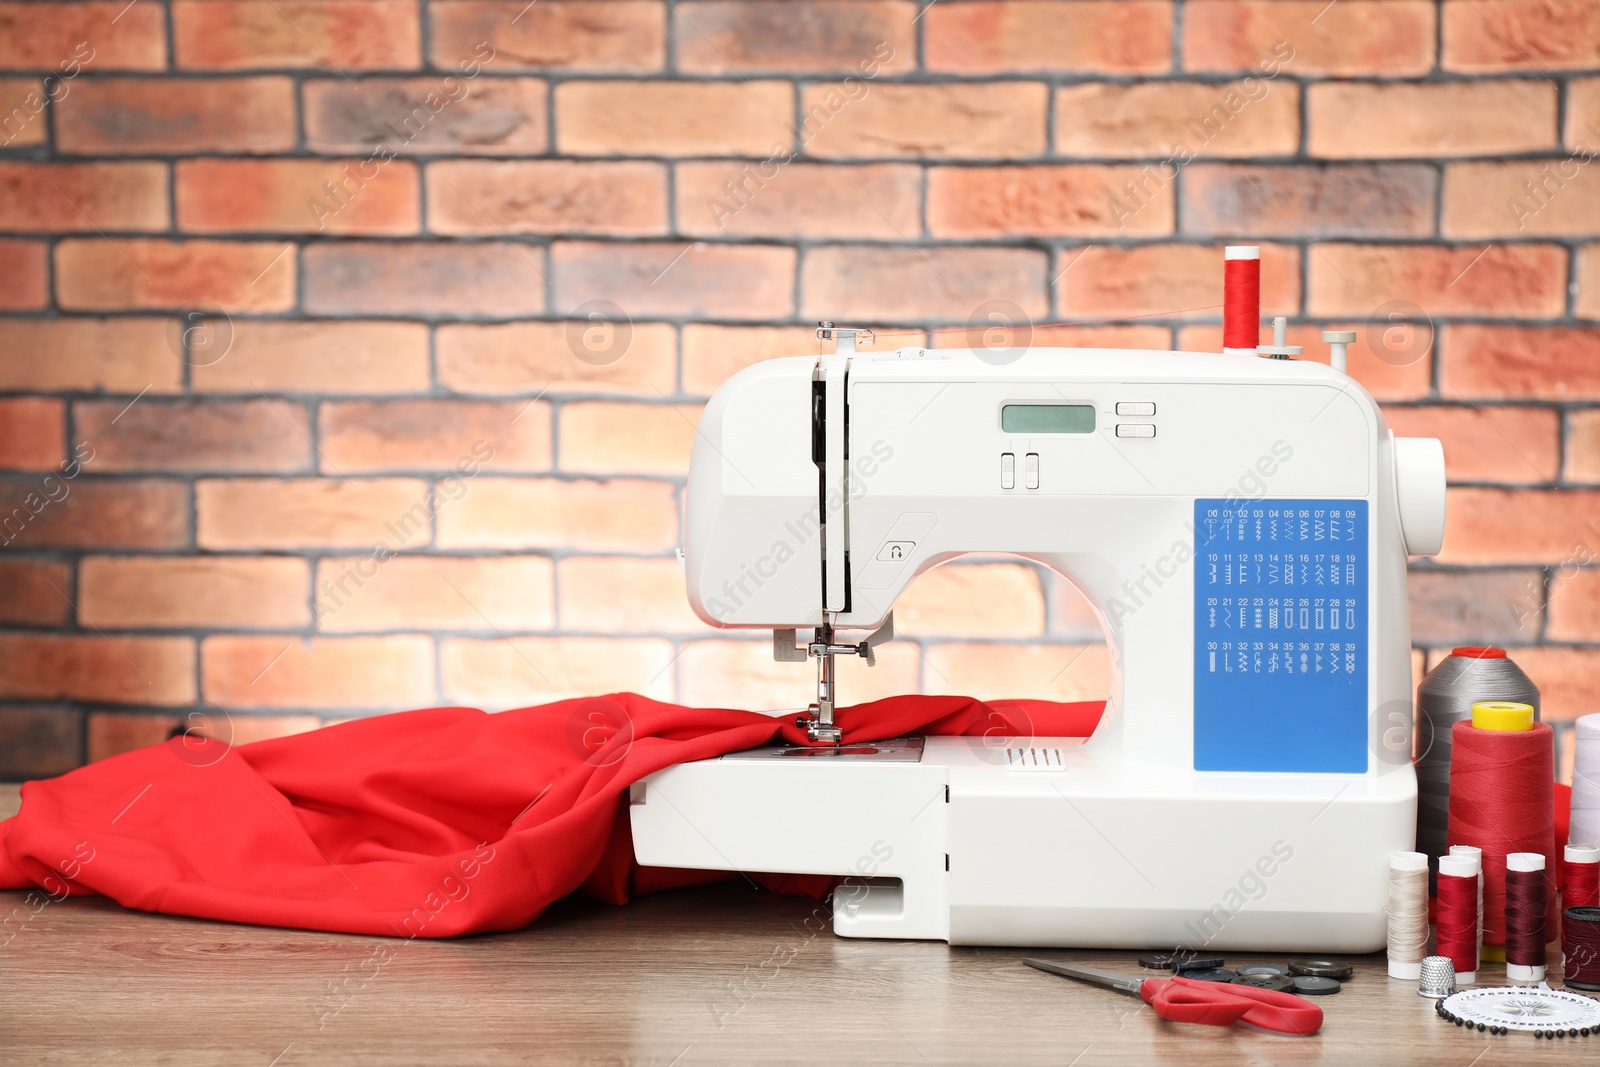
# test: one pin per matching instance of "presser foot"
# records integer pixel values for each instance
(819, 729)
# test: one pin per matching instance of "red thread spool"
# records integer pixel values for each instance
(1241, 299)
(1456, 934)
(1525, 917)
(1501, 802)
(1580, 878)
(1580, 947)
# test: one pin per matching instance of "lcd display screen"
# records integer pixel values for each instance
(1047, 418)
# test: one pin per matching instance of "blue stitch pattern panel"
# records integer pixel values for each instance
(1280, 636)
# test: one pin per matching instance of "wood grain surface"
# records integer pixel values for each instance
(723, 974)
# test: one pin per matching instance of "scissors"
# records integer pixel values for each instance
(1187, 1000)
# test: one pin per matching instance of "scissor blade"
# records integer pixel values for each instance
(1123, 983)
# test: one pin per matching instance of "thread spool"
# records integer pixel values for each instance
(1580, 876)
(1445, 697)
(1241, 299)
(1408, 914)
(1477, 857)
(1585, 826)
(1501, 770)
(1580, 948)
(1525, 917)
(1456, 932)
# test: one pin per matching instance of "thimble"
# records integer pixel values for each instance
(1438, 977)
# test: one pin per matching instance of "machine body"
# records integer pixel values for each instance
(1241, 526)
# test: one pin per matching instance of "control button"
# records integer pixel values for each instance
(1008, 470)
(1135, 429)
(1031, 470)
(1135, 408)
(895, 551)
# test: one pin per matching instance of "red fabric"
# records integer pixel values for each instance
(425, 823)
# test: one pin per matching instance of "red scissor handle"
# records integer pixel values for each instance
(1186, 1000)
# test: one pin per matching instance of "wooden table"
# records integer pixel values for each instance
(721, 974)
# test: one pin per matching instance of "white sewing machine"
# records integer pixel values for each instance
(1240, 524)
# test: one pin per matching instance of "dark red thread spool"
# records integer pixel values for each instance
(1580, 948)
(1580, 876)
(1525, 917)
(1456, 933)
(1501, 802)
(1241, 299)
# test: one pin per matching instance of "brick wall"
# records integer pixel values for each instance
(301, 416)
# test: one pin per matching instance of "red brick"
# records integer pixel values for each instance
(139, 116)
(22, 106)
(626, 199)
(1575, 598)
(213, 592)
(594, 356)
(1582, 131)
(194, 435)
(1496, 35)
(1172, 120)
(623, 594)
(65, 38)
(367, 436)
(1042, 671)
(1455, 607)
(454, 114)
(1508, 445)
(417, 278)
(1583, 447)
(990, 120)
(536, 670)
(1352, 38)
(713, 354)
(330, 672)
(1535, 198)
(1054, 201)
(1521, 362)
(39, 742)
(1586, 304)
(1168, 279)
(973, 600)
(576, 35)
(117, 670)
(847, 283)
(1568, 679)
(637, 118)
(83, 197)
(112, 733)
(81, 512)
(35, 592)
(621, 438)
(319, 358)
(1392, 359)
(32, 433)
(1310, 200)
(866, 38)
(95, 274)
(503, 594)
(647, 280)
(291, 513)
(616, 515)
(353, 196)
(1503, 281)
(742, 674)
(757, 198)
(24, 270)
(274, 34)
(1366, 120)
(1095, 36)
(1518, 525)
(88, 355)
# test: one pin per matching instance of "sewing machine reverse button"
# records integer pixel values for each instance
(896, 551)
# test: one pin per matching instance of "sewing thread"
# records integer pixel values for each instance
(1456, 931)
(1477, 857)
(1408, 914)
(1525, 917)
(1580, 876)
(1241, 299)
(1580, 948)
(1585, 828)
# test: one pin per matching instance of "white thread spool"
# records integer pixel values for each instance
(1408, 914)
(1524, 862)
(1477, 856)
(1466, 865)
(1585, 827)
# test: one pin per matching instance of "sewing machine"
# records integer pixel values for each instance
(1240, 524)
